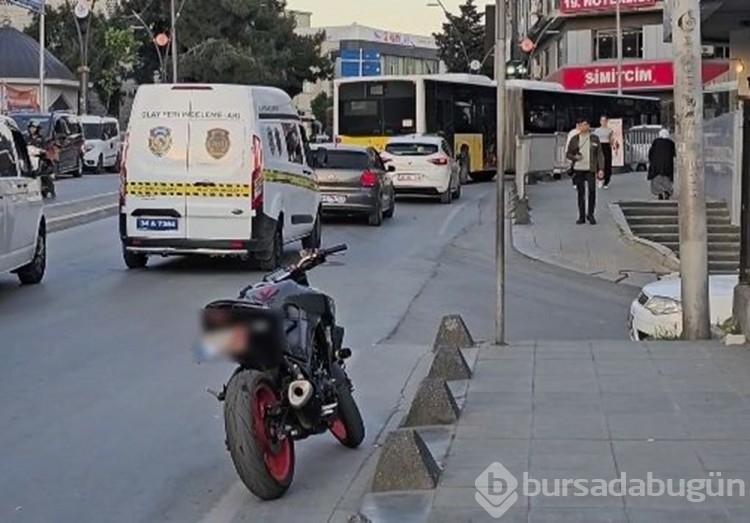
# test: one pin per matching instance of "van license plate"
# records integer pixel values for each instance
(156, 224)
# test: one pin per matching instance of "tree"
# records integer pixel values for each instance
(320, 106)
(112, 48)
(462, 40)
(239, 41)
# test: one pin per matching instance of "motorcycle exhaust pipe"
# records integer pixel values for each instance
(299, 393)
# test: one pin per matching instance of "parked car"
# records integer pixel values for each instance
(101, 149)
(657, 311)
(63, 133)
(354, 180)
(23, 245)
(424, 165)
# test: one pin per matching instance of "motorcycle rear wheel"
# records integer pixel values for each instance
(264, 463)
(348, 426)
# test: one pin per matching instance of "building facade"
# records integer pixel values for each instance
(575, 44)
(358, 50)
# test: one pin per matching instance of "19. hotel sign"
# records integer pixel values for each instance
(581, 6)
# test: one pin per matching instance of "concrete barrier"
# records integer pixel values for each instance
(405, 464)
(433, 404)
(449, 364)
(453, 333)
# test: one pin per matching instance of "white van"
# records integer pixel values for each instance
(216, 170)
(23, 245)
(101, 148)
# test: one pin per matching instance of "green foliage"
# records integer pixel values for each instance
(112, 48)
(321, 106)
(236, 41)
(462, 40)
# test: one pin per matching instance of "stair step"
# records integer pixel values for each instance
(668, 211)
(713, 229)
(635, 204)
(720, 248)
(724, 256)
(672, 220)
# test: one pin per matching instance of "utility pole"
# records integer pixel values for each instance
(500, 42)
(618, 11)
(42, 56)
(173, 35)
(688, 96)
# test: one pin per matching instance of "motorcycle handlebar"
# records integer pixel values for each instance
(335, 249)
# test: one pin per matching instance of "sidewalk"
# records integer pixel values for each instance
(590, 411)
(600, 250)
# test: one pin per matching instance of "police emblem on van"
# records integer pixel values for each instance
(160, 141)
(218, 143)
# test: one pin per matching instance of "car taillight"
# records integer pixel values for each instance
(368, 179)
(442, 160)
(124, 171)
(257, 178)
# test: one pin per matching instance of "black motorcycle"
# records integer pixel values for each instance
(291, 381)
(45, 169)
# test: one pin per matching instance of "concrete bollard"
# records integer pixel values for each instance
(453, 333)
(433, 404)
(449, 364)
(405, 464)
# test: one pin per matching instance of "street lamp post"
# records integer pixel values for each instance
(688, 97)
(618, 16)
(82, 14)
(173, 38)
(500, 43)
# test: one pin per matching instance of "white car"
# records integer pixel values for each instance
(657, 311)
(101, 149)
(424, 165)
(23, 245)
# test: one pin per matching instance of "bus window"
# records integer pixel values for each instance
(377, 109)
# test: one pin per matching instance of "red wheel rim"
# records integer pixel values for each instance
(338, 429)
(277, 455)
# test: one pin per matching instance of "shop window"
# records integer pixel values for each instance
(605, 44)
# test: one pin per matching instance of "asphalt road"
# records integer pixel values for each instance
(105, 417)
(71, 189)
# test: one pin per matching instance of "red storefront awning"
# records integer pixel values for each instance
(643, 76)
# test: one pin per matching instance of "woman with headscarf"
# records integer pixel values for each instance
(661, 166)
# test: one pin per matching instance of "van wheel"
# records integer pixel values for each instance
(100, 165)
(316, 236)
(33, 273)
(134, 260)
(275, 253)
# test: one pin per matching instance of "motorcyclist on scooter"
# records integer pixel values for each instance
(46, 169)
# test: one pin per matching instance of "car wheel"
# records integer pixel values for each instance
(316, 236)
(272, 258)
(134, 260)
(376, 217)
(446, 197)
(392, 209)
(33, 273)
(79, 168)
(457, 192)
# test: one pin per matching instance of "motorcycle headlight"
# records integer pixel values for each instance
(660, 306)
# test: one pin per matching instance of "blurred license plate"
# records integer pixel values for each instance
(331, 198)
(409, 177)
(156, 224)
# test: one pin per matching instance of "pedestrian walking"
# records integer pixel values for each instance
(606, 138)
(572, 133)
(661, 157)
(585, 151)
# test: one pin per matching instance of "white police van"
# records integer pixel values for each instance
(23, 233)
(220, 170)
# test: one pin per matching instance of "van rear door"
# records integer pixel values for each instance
(219, 206)
(157, 164)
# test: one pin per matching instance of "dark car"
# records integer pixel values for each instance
(62, 134)
(354, 180)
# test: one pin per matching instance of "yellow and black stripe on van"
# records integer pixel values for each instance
(217, 190)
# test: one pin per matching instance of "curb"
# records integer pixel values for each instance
(69, 221)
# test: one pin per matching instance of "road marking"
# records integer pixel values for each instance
(229, 505)
(81, 200)
(449, 219)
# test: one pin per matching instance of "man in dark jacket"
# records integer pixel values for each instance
(661, 166)
(585, 151)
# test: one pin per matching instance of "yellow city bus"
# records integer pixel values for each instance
(461, 107)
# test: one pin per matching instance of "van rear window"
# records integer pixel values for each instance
(412, 149)
(351, 160)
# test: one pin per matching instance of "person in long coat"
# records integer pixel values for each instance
(661, 166)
